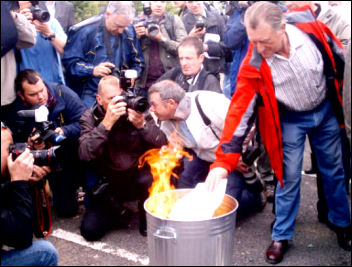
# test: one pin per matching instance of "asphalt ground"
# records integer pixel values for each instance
(313, 244)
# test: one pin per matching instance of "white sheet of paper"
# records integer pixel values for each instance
(199, 204)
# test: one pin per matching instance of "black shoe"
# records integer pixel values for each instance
(142, 219)
(310, 171)
(343, 237)
(124, 218)
(143, 226)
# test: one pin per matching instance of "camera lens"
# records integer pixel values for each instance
(139, 104)
(153, 30)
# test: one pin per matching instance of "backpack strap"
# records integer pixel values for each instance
(206, 120)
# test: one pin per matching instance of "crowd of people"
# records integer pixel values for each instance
(241, 88)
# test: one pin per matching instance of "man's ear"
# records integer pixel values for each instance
(201, 57)
(99, 100)
(19, 93)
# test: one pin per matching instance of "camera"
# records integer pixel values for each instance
(149, 23)
(253, 182)
(43, 157)
(38, 13)
(200, 24)
(46, 131)
(137, 103)
(44, 128)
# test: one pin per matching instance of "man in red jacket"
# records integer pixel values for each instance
(291, 79)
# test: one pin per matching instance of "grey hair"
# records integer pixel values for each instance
(125, 8)
(264, 11)
(168, 90)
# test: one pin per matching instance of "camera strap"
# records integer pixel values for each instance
(206, 120)
(108, 45)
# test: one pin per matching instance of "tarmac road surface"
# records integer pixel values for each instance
(313, 244)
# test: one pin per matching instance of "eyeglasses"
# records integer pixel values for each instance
(3, 126)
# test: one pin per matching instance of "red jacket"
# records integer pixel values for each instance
(255, 96)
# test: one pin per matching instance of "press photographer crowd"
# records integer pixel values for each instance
(233, 87)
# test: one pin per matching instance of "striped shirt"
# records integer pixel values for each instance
(299, 81)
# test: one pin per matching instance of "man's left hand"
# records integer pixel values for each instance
(39, 172)
(136, 118)
(59, 131)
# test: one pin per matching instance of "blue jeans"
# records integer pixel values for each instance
(40, 253)
(249, 202)
(194, 171)
(324, 134)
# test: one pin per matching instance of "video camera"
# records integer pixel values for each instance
(137, 103)
(38, 13)
(149, 23)
(44, 128)
(42, 157)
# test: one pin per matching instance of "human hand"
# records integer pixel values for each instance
(42, 27)
(242, 167)
(136, 118)
(197, 32)
(214, 177)
(39, 172)
(27, 13)
(22, 167)
(140, 30)
(115, 110)
(59, 130)
(103, 69)
(35, 142)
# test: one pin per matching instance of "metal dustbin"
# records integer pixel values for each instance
(205, 242)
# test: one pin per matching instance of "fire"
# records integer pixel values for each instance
(162, 162)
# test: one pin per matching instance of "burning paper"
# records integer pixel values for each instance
(162, 162)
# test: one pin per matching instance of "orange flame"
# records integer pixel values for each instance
(162, 162)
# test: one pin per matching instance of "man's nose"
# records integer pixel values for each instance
(260, 48)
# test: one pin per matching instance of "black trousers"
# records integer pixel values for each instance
(104, 210)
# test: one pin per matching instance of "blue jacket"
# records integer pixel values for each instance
(85, 49)
(235, 38)
(65, 110)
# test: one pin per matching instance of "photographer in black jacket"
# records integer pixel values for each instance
(17, 210)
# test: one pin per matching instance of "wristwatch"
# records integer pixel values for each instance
(50, 37)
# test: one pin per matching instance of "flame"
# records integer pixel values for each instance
(162, 162)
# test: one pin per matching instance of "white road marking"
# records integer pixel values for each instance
(100, 246)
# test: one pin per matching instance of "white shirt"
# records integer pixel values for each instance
(299, 80)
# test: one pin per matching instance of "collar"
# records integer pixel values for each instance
(295, 39)
(193, 79)
(183, 109)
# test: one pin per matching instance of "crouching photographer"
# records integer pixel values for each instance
(116, 131)
(17, 219)
(54, 123)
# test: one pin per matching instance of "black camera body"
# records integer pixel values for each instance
(200, 25)
(149, 23)
(46, 131)
(38, 13)
(250, 155)
(254, 184)
(137, 103)
(42, 157)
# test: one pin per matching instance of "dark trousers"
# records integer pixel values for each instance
(104, 210)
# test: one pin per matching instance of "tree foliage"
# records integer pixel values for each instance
(87, 9)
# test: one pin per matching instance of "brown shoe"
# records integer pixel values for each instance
(276, 250)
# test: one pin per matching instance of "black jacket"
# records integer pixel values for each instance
(205, 81)
(117, 150)
(16, 214)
